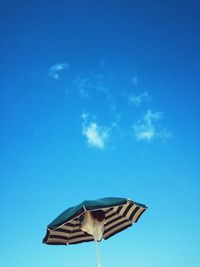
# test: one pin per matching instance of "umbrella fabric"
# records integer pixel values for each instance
(93, 224)
(119, 214)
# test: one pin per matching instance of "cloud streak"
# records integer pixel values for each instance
(90, 85)
(83, 84)
(54, 71)
(137, 100)
(147, 129)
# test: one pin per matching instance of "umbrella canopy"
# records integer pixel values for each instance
(93, 220)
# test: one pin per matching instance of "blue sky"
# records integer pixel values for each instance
(100, 98)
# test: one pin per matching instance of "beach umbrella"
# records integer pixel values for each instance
(93, 220)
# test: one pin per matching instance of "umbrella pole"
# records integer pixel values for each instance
(98, 254)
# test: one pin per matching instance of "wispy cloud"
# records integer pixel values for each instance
(137, 100)
(94, 82)
(99, 87)
(164, 134)
(84, 116)
(147, 128)
(90, 85)
(96, 135)
(83, 84)
(135, 79)
(55, 70)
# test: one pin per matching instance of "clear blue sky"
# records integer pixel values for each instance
(98, 99)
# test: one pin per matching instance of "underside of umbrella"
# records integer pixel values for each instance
(118, 214)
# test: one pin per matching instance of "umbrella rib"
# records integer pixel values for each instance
(69, 221)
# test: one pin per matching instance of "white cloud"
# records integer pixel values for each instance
(147, 129)
(143, 131)
(137, 100)
(96, 135)
(55, 70)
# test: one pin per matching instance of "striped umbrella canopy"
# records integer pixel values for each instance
(113, 215)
